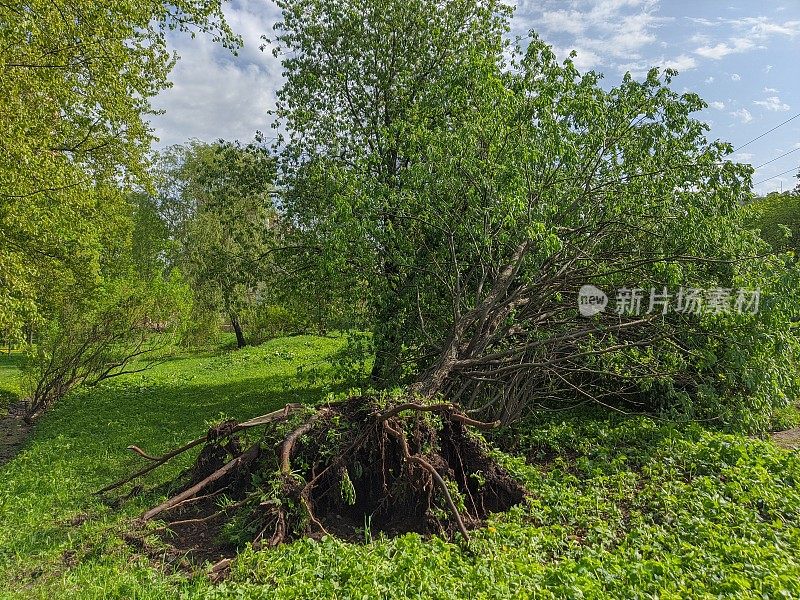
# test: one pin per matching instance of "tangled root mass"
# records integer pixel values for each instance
(350, 469)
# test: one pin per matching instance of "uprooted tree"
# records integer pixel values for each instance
(348, 468)
(469, 199)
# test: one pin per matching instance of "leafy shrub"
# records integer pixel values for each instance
(103, 334)
(268, 321)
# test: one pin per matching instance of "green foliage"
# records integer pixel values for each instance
(10, 379)
(352, 364)
(114, 329)
(203, 328)
(356, 119)
(268, 321)
(620, 507)
(76, 84)
(150, 238)
(347, 489)
(215, 200)
(785, 418)
(777, 217)
(464, 198)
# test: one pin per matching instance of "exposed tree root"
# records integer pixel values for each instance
(243, 459)
(350, 469)
(401, 438)
(213, 434)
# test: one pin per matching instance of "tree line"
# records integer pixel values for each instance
(440, 189)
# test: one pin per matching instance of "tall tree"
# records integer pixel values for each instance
(76, 80)
(227, 232)
(362, 79)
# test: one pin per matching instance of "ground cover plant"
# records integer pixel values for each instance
(616, 506)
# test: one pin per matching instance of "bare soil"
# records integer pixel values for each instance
(13, 431)
(789, 439)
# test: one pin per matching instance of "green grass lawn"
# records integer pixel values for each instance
(9, 379)
(624, 508)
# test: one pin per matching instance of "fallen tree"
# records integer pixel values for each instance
(465, 200)
(350, 469)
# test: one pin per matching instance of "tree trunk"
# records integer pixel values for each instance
(386, 337)
(237, 328)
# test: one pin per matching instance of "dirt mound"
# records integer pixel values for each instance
(353, 469)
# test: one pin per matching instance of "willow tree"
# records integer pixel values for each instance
(76, 79)
(231, 227)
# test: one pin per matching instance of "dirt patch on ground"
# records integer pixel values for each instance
(789, 439)
(13, 432)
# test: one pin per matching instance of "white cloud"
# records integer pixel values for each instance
(768, 68)
(763, 27)
(585, 59)
(773, 103)
(568, 21)
(216, 95)
(743, 156)
(743, 115)
(610, 28)
(634, 32)
(756, 31)
(703, 22)
(736, 46)
(680, 63)
(641, 67)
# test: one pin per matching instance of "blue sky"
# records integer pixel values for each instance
(740, 56)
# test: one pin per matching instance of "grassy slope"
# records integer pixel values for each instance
(620, 508)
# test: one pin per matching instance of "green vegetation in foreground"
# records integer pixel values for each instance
(627, 508)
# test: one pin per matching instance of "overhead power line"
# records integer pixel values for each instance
(767, 132)
(776, 176)
(778, 157)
